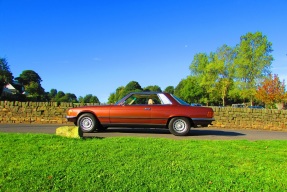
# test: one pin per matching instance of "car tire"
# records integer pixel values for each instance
(87, 123)
(179, 126)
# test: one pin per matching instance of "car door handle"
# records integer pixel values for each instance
(146, 108)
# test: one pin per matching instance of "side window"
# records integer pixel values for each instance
(143, 99)
(130, 100)
(156, 100)
(136, 99)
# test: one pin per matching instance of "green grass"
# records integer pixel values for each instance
(38, 162)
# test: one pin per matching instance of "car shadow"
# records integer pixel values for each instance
(214, 133)
(194, 132)
(139, 130)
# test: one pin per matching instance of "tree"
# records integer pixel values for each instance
(169, 89)
(252, 63)
(68, 97)
(111, 99)
(199, 63)
(32, 83)
(154, 88)
(220, 72)
(5, 74)
(271, 91)
(28, 76)
(189, 90)
(52, 94)
(35, 91)
(89, 99)
(59, 95)
(133, 86)
(199, 71)
(114, 97)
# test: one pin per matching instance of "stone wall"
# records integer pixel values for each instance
(35, 112)
(245, 118)
(55, 113)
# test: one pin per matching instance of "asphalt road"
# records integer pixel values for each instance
(195, 133)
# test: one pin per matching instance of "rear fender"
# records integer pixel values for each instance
(190, 120)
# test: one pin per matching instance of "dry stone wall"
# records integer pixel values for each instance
(55, 113)
(35, 112)
(245, 118)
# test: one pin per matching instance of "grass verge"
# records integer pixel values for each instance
(38, 162)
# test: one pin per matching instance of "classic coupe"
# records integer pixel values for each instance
(142, 109)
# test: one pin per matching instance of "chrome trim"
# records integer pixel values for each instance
(70, 117)
(203, 119)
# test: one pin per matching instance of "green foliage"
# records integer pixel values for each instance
(252, 63)
(68, 97)
(169, 89)
(189, 90)
(198, 65)
(5, 74)
(114, 97)
(32, 83)
(154, 88)
(220, 73)
(52, 94)
(60, 96)
(35, 91)
(214, 73)
(132, 86)
(89, 99)
(35, 162)
(121, 91)
(28, 76)
(233, 73)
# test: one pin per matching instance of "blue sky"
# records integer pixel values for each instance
(93, 47)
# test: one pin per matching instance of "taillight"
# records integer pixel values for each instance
(210, 114)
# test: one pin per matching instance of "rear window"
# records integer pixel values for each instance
(180, 101)
(164, 99)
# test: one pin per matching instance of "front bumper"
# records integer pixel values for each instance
(71, 118)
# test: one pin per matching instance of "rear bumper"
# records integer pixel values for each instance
(202, 121)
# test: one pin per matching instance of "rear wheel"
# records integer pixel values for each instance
(87, 123)
(179, 126)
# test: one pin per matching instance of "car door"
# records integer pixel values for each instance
(129, 115)
(160, 114)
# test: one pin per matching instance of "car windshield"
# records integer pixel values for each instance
(180, 101)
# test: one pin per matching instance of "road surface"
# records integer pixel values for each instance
(195, 133)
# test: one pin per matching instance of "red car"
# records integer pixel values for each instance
(143, 109)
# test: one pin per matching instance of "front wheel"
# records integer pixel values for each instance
(87, 123)
(179, 126)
